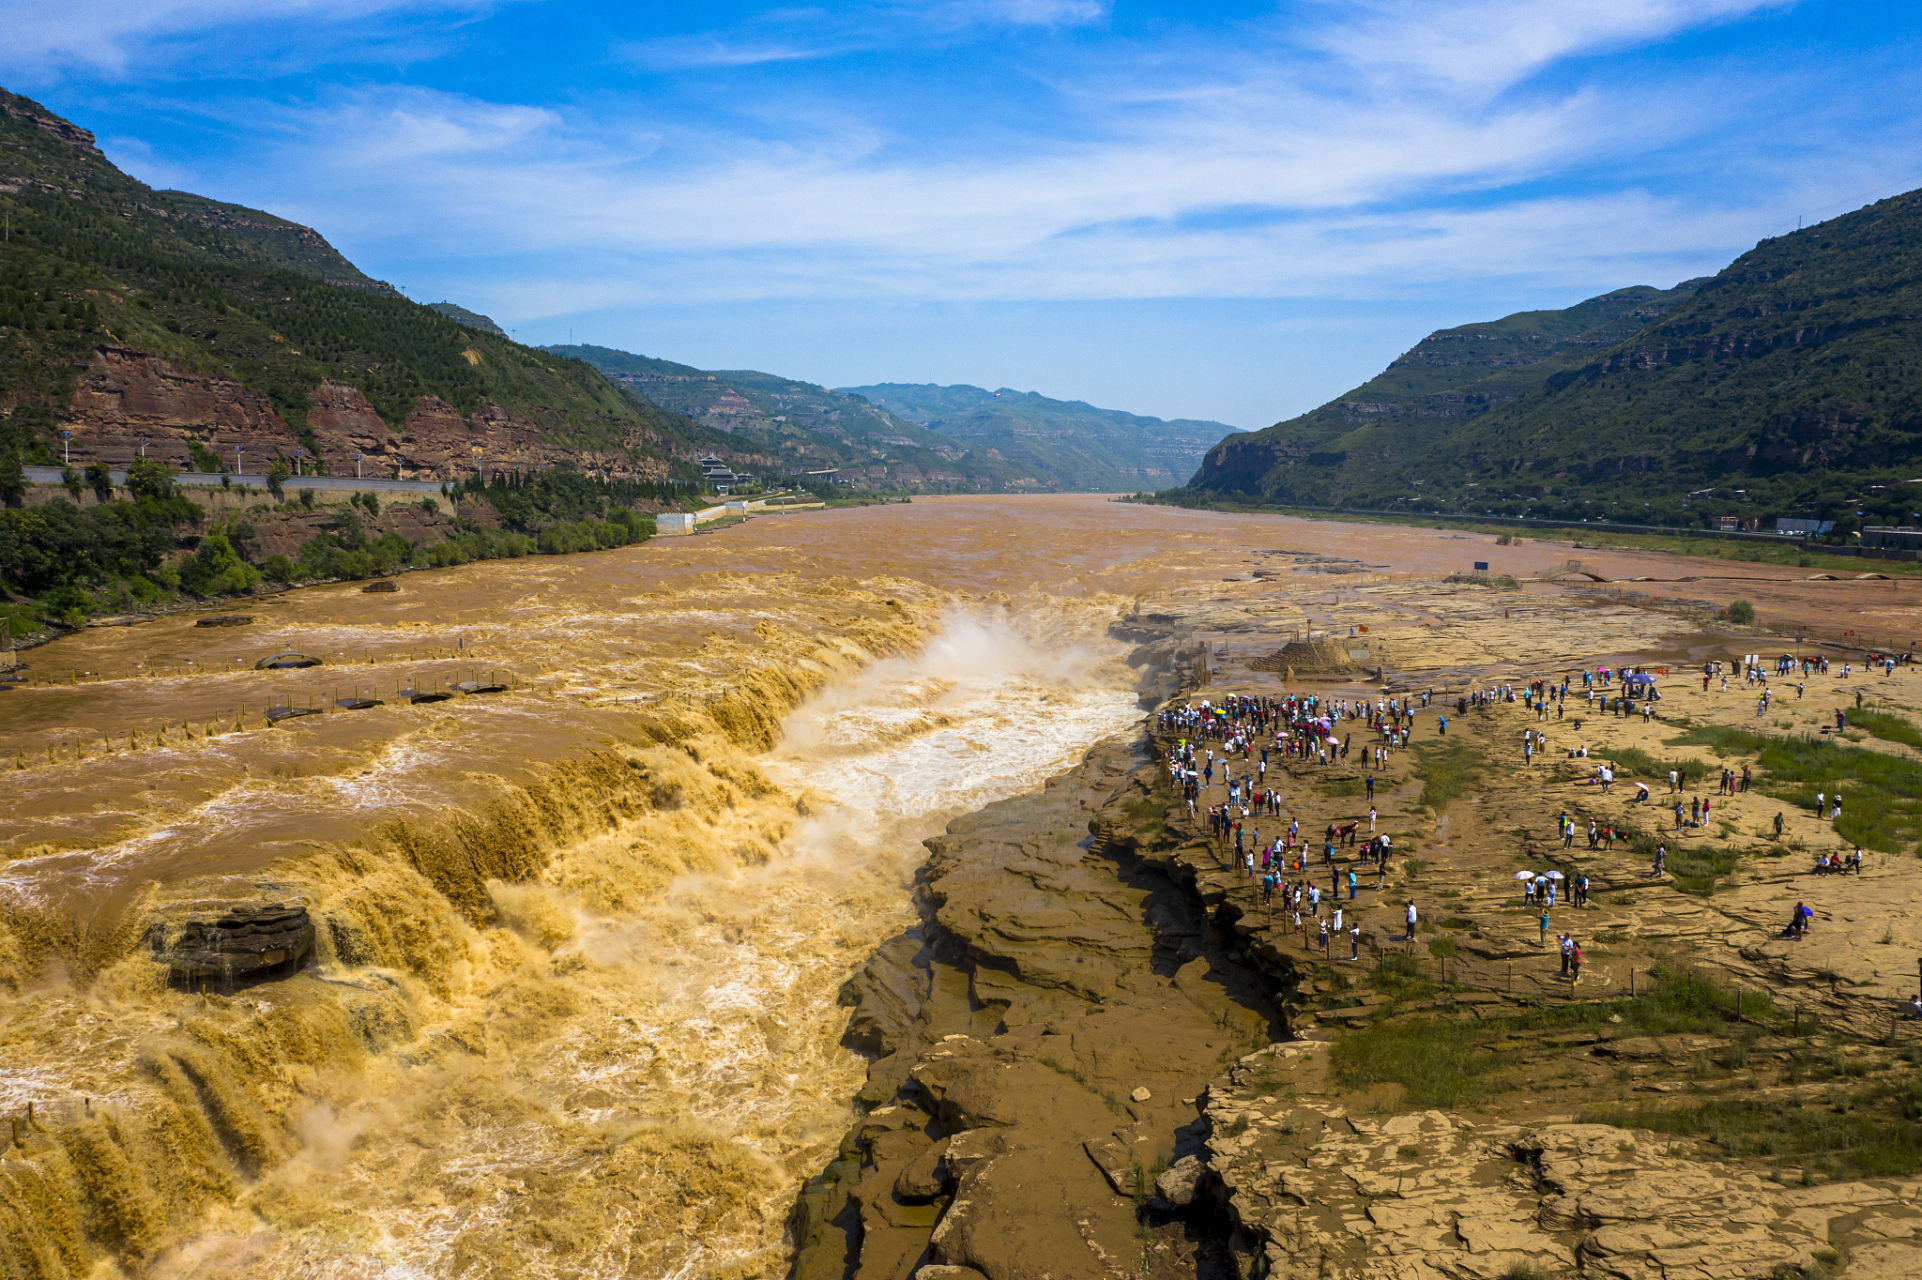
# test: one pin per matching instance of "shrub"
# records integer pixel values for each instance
(147, 478)
(307, 499)
(1741, 613)
(215, 569)
(100, 480)
(277, 474)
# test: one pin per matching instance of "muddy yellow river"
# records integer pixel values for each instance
(572, 1010)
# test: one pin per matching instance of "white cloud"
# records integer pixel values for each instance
(112, 34)
(1499, 42)
(1266, 170)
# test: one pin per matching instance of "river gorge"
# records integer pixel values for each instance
(575, 1006)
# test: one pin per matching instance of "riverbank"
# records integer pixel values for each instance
(1042, 1039)
(1449, 1101)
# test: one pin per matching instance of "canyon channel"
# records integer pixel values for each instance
(578, 997)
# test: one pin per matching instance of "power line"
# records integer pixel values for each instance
(1874, 193)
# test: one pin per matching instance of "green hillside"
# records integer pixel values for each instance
(1790, 382)
(1084, 447)
(472, 319)
(94, 256)
(810, 428)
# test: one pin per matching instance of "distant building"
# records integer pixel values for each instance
(1897, 538)
(717, 473)
(1728, 523)
(1801, 527)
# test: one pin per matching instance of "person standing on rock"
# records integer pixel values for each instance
(1371, 817)
(1354, 940)
(1352, 885)
(1565, 943)
(1574, 962)
(1544, 940)
(1371, 791)
(1412, 919)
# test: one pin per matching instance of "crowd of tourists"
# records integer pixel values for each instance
(1230, 743)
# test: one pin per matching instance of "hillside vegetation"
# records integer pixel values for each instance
(1081, 446)
(806, 427)
(1788, 383)
(94, 256)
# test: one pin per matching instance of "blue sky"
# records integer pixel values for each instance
(1231, 211)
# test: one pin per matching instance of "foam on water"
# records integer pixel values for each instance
(686, 1072)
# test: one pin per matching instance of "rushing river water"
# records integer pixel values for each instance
(574, 1007)
(580, 943)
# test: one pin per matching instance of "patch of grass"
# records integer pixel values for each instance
(1446, 769)
(1344, 787)
(1408, 1153)
(1634, 760)
(1456, 922)
(1444, 1063)
(1437, 1064)
(1872, 1131)
(1443, 947)
(1525, 1271)
(1887, 726)
(1697, 868)
(1882, 805)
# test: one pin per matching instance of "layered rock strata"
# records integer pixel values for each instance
(1331, 1190)
(127, 396)
(1043, 1040)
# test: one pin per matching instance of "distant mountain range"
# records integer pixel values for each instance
(893, 435)
(1790, 382)
(1082, 446)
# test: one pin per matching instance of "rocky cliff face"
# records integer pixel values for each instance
(126, 395)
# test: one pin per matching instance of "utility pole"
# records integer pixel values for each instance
(236, 459)
(66, 448)
(357, 459)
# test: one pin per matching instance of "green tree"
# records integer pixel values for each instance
(277, 474)
(71, 478)
(215, 569)
(370, 503)
(1741, 612)
(100, 480)
(307, 499)
(148, 478)
(13, 478)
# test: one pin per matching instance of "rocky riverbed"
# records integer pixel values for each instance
(1100, 1056)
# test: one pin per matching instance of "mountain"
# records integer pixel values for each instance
(200, 327)
(810, 428)
(472, 319)
(1086, 447)
(1789, 382)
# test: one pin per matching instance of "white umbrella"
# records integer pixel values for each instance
(1556, 875)
(1524, 875)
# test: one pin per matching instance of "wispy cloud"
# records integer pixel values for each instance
(113, 35)
(1496, 42)
(1356, 151)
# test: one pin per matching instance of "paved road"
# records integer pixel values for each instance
(51, 475)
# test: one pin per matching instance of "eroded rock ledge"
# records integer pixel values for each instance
(1044, 1041)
